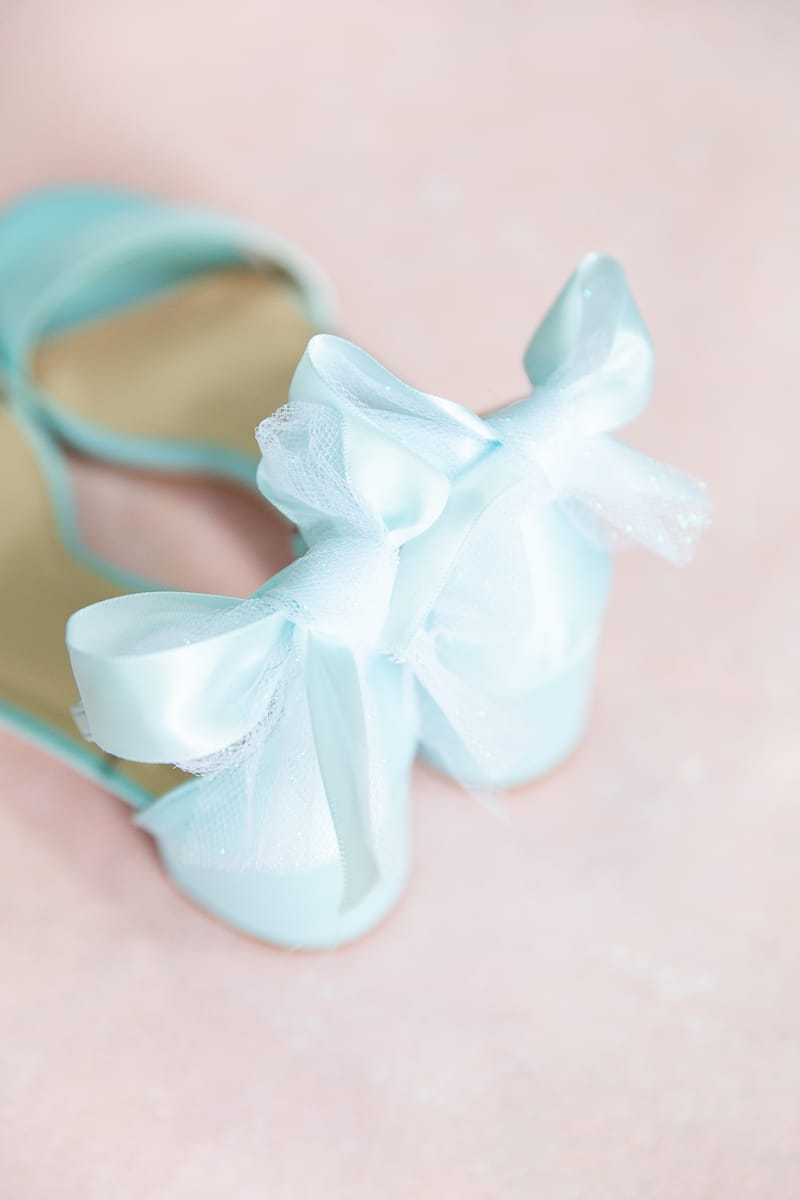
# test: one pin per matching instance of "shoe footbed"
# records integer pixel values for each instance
(206, 362)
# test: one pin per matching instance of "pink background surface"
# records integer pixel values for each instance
(599, 998)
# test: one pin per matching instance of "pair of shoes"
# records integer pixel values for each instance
(453, 570)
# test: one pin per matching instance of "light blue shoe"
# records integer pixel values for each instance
(314, 869)
(289, 817)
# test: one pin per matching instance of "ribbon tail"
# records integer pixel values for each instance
(339, 727)
(618, 496)
(485, 736)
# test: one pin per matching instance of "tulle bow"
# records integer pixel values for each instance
(267, 692)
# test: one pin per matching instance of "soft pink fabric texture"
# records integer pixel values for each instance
(599, 997)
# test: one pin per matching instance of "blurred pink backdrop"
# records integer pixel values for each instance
(598, 999)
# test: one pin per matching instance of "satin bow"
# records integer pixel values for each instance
(268, 693)
(507, 586)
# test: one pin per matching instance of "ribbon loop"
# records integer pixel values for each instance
(591, 359)
(170, 676)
